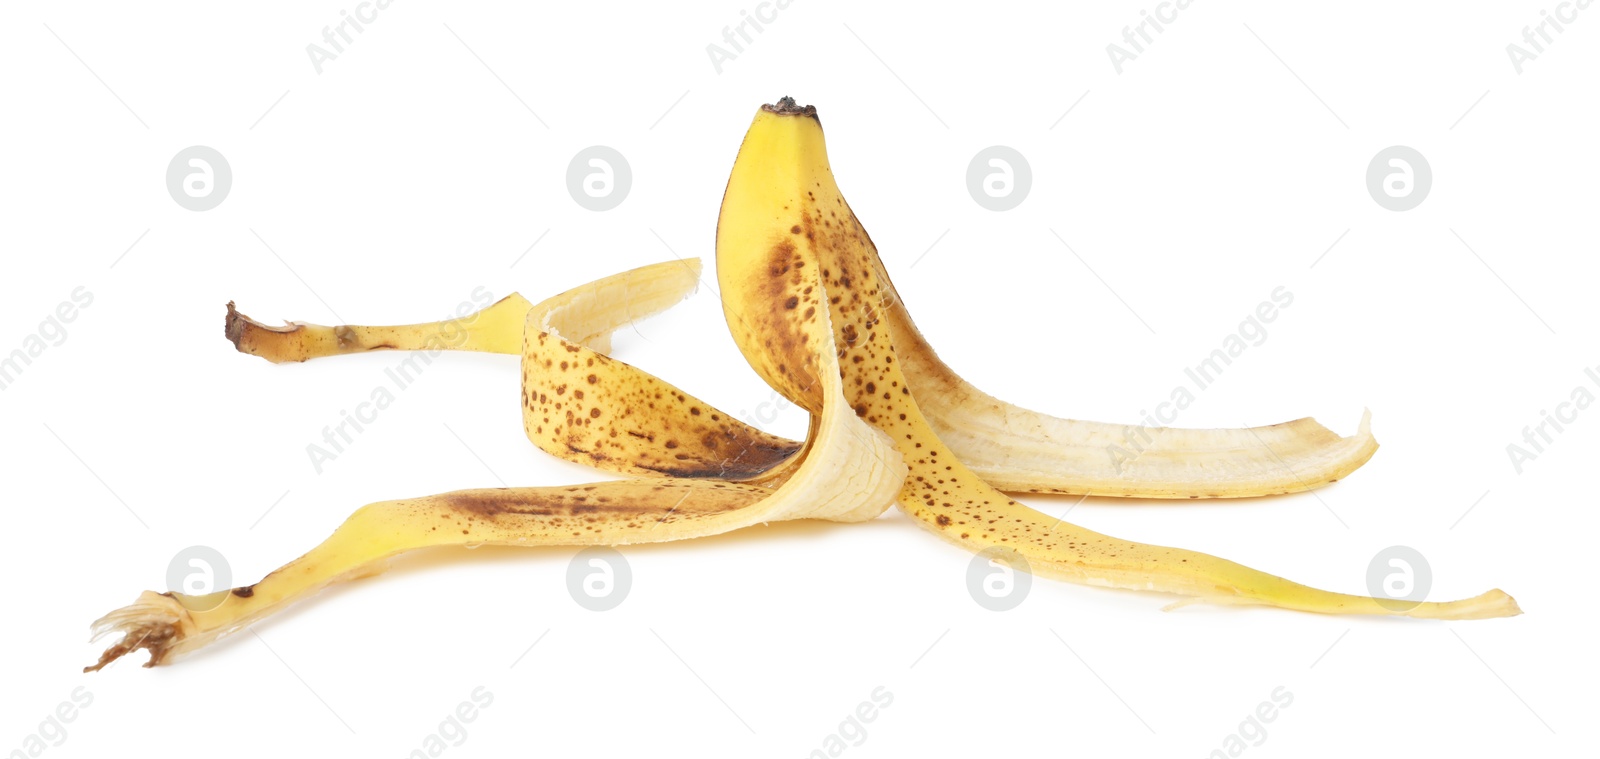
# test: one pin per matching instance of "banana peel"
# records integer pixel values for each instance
(791, 253)
(846, 471)
(813, 311)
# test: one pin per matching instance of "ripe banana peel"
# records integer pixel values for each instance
(791, 253)
(813, 311)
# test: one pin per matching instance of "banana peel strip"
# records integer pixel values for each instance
(848, 471)
(1014, 449)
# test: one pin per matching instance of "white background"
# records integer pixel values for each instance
(1191, 185)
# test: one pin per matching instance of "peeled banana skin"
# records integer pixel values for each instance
(811, 307)
(790, 252)
(847, 471)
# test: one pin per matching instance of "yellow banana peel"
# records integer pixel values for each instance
(812, 309)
